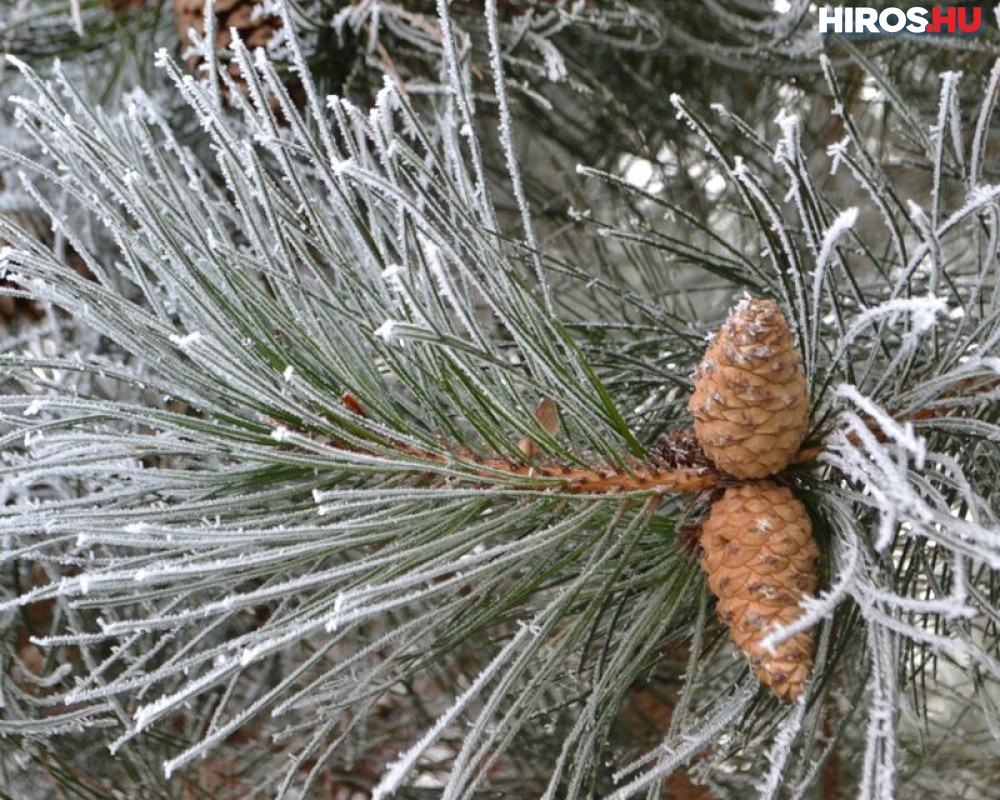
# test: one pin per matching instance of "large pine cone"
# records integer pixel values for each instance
(760, 557)
(751, 401)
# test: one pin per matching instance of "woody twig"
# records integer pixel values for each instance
(675, 463)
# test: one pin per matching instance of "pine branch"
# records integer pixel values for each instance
(677, 464)
(227, 543)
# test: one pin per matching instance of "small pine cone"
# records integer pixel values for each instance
(255, 28)
(13, 310)
(751, 400)
(16, 309)
(760, 557)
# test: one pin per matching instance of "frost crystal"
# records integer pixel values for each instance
(387, 331)
(185, 341)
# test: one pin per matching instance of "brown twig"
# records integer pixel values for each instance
(807, 454)
(603, 478)
(675, 463)
(678, 466)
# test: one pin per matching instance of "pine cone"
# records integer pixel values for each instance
(760, 557)
(254, 27)
(15, 311)
(239, 14)
(751, 401)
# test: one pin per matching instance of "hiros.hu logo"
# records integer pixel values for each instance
(866, 20)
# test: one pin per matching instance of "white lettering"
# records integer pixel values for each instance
(918, 18)
(892, 20)
(865, 20)
(871, 20)
(831, 17)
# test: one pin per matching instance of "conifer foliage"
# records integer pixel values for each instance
(359, 445)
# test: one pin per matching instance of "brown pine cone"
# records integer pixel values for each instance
(760, 557)
(254, 28)
(751, 400)
(16, 311)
